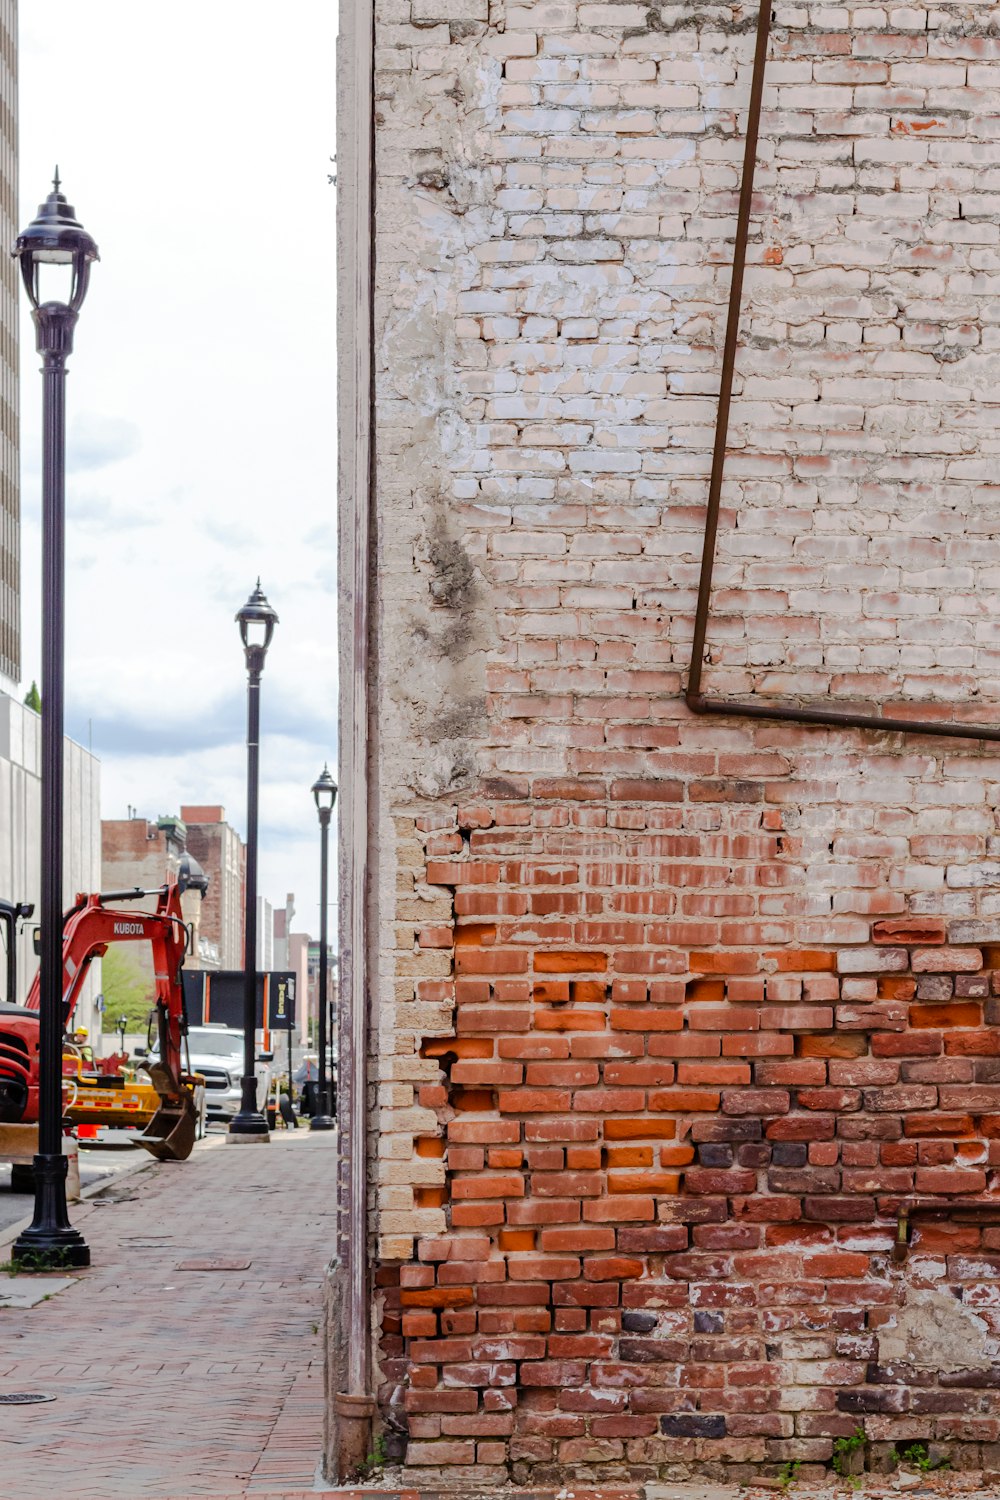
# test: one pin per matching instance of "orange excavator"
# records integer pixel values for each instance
(89, 928)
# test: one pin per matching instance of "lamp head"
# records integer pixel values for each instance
(56, 239)
(256, 620)
(324, 789)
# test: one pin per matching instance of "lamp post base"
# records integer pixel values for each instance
(50, 1243)
(249, 1124)
(249, 1127)
(322, 1122)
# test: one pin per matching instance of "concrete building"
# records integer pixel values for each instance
(10, 503)
(677, 997)
(265, 933)
(219, 850)
(291, 952)
(20, 747)
(298, 962)
(20, 838)
(313, 953)
(281, 927)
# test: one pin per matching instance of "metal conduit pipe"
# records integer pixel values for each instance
(350, 1404)
(697, 701)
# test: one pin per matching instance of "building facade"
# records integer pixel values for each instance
(265, 934)
(292, 952)
(684, 1024)
(137, 854)
(299, 945)
(10, 503)
(20, 843)
(219, 850)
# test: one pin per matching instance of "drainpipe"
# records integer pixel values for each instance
(350, 1404)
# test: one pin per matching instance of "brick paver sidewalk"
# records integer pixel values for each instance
(181, 1383)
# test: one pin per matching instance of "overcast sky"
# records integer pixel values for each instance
(194, 141)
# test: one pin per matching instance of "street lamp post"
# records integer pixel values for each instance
(325, 792)
(256, 620)
(55, 253)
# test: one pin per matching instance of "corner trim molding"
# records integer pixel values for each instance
(351, 1367)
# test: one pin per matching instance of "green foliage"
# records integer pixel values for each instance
(844, 1449)
(375, 1460)
(38, 1260)
(126, 991)
(917, 1455)
(788, 1473)
(33, 697)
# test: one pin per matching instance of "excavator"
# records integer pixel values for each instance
(90, 926)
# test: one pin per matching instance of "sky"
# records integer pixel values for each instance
(195, 141)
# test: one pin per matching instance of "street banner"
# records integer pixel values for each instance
(217, 996)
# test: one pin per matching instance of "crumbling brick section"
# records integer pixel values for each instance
(672, 1174)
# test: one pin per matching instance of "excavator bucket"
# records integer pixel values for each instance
(170, 1134)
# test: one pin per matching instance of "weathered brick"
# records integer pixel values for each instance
(752, 960)
(755, 1101)
(949, 1180)
(943, 1016)
(875, 960)
(946, 960)
(911, 931)
(684, 1100)
(831, 1046)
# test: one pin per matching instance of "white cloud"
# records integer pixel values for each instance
(201, 397)
(95, 440)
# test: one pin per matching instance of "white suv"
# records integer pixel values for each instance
(217, 1054)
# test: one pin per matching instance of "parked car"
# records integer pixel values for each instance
(217, 1054)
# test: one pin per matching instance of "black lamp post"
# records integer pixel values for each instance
(256, 621)
(325, 791)
(55, 253)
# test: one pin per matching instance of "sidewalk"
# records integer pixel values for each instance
(174, 1383)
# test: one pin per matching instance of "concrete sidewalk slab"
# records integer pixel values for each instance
(172, 1383)
(29, 1291)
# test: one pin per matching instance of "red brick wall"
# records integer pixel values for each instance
(221, 854)
(676, 1144)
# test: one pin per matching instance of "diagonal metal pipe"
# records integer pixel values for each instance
(697, 700)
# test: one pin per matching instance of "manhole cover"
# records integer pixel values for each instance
(23, 1398)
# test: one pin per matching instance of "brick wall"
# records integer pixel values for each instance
(675, 1016)
(219, 850)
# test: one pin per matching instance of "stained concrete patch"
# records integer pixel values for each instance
(212, 1265)
(935, 1330)
(29, 1291)
(693, 1491)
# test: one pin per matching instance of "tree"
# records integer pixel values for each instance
(126, 991)
(33, 697)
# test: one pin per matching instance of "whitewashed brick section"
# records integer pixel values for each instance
(556, 199)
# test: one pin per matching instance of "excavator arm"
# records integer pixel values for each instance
(88, 931)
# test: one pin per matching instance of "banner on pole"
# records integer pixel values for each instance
(217, 996)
